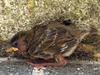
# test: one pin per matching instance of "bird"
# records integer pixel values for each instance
(44, 42)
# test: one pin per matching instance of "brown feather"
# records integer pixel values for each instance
(45, 42)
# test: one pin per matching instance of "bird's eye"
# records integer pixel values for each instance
(15, 44)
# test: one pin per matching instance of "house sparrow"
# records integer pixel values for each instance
(43, 42)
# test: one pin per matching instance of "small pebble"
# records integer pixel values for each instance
(95, 69)
(78, 69)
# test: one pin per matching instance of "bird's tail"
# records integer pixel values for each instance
(82, 36)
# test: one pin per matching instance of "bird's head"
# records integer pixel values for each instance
(18, 43)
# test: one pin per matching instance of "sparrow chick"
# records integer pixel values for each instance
(42, 42)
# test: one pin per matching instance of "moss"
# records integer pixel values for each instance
(3, 45)
(31, 4)
(6, 11)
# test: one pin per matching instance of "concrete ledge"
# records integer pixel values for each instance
(72, 68)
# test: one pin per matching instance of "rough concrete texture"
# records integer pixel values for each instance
(17, 15)
(74, 68)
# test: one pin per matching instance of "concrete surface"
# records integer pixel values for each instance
(72, 68)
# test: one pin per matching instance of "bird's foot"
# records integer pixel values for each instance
(60, 62)
(46, 64)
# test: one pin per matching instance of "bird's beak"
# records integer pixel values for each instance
(12, 49)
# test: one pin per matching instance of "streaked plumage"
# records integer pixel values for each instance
(46, 43)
